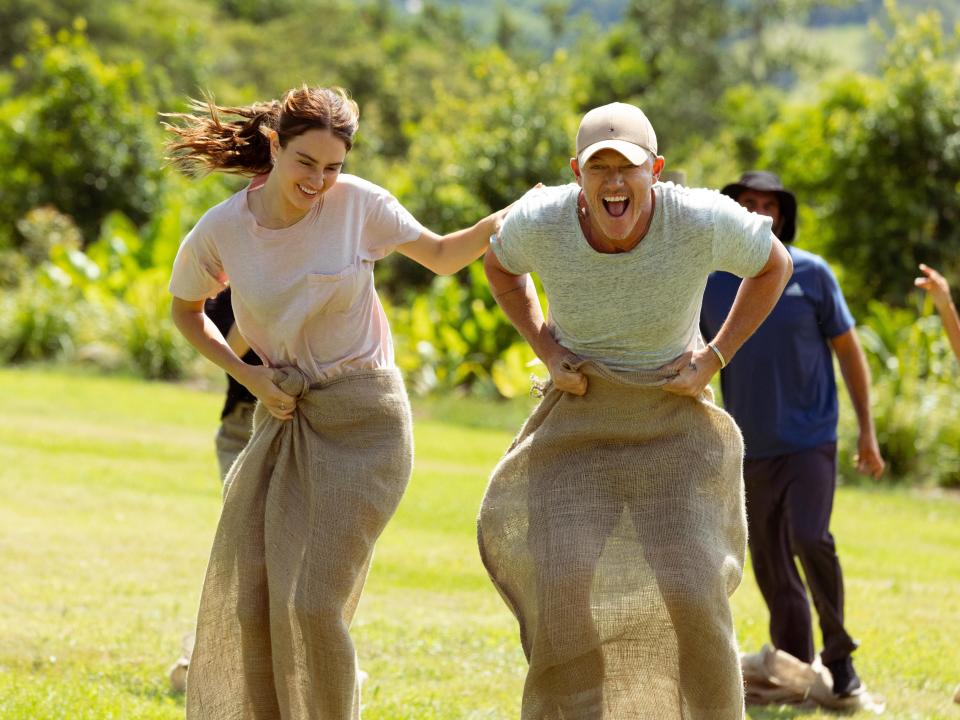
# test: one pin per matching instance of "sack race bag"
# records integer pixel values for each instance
(614, 529)
(305, 502)
(775, 677)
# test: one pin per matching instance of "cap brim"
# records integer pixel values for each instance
(634, 153)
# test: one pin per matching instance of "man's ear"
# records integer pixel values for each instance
(658, 166)
(575, 166)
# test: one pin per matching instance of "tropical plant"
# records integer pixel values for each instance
(915, 398)
(453, 334)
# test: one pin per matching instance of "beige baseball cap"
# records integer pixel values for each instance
(617, 126)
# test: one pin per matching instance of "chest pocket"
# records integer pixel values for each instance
(335, 292)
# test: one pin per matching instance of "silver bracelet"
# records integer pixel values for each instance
(723, 363)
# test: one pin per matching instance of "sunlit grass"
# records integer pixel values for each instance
(109, 497)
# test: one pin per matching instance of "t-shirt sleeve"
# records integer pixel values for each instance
(741, 239)
(509, 246)
(386, 224)
(197, 270)
(833, 314)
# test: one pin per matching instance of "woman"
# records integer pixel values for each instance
(331, 450)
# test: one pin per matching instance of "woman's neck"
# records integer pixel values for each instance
(271, 209)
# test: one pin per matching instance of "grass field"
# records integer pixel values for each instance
(108, 501)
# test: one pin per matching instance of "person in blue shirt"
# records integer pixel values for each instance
(780, 388)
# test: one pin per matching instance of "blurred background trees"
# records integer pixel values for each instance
(464, 106)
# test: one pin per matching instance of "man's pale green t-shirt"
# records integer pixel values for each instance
(638, 309)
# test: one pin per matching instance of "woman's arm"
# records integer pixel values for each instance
(237, 342)
(754, 301)
(200, 332)
(447, 254)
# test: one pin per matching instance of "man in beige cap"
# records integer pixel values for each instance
(614, 526)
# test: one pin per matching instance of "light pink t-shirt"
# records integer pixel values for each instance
(302, 295)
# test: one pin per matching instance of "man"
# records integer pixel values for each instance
(614, 526)
(781, 391)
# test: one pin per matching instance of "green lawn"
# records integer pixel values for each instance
(108, 501)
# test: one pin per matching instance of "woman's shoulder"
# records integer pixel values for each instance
(225, 214)
(354, 187)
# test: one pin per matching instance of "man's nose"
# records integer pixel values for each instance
(615, 176)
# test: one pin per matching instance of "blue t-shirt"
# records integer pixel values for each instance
(780, 386)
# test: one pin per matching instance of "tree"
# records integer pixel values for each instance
(75, 137)
(676, 60)
(482, 146)
(878, 160)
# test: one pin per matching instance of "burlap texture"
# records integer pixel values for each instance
(305, 502)
(614, 528)
(233, 435)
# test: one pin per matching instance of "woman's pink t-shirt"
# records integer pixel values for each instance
(302, 295)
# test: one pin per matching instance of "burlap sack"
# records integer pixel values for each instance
(233, 435)
(775, 677)
(305, 502)
(614, 529)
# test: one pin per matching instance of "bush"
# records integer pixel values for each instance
(915, 402)
(153, 344)
(74, 136)
(38, 322)
(454, 335)
(878, 161)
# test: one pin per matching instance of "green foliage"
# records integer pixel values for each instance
(110, 502)
(879, 161)
(469, 159)
(914, 397)
(676, 60)
(155, 347)
(108, 305)
(38, 321)
(453, 334)
(75, 138)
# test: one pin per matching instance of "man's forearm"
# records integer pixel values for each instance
(517, 297)
(754, 301)
(522, 307)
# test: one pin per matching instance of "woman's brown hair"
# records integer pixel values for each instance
(206, 142)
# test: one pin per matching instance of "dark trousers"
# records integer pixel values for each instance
(789, 502)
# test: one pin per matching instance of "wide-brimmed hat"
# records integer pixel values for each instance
(765, 181)
(617, 126)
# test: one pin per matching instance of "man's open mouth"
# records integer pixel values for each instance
(616, 205)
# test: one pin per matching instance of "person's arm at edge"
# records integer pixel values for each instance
(856, 376)
(754, 301)
(517, 297)
(200, 332)
(936, 285)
